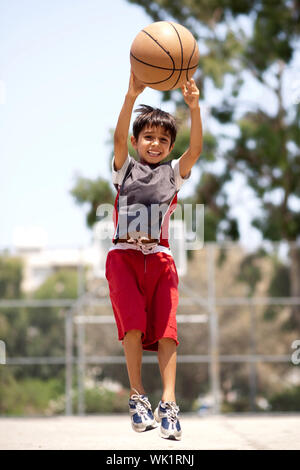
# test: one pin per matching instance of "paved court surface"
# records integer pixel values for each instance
(113, 432)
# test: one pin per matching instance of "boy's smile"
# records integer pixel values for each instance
(153, 144)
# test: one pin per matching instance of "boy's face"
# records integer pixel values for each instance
(153, 144)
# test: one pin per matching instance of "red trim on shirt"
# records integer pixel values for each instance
(165, 225)
(116, 214)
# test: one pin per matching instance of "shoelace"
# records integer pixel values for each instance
(142, 402)
(172, 411)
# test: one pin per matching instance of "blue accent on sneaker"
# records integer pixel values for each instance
(165, 423)
(136, 418)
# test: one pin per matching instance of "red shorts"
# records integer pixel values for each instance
(144, 294)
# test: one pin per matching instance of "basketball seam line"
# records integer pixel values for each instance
(163, 68)
(181, 54)
(162, 47)
(167, 52)
(187, 76)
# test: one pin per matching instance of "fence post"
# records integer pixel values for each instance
(253, 365)
(81, 342)
(213, 329)
(69, 361)
(81, 367)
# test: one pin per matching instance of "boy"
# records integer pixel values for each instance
(140, 270)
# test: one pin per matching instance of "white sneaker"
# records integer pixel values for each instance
(142, 418)
(166, 413)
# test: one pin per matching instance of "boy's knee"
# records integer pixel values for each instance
(136, 334)
(167, 341)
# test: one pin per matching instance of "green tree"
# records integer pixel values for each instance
(46, 335)
(11, 269)
(13, 325)
(13, 320)
(92, 193)
(32, 332)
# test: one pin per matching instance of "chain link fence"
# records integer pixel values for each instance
(237, 323)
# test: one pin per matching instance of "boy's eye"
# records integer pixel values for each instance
(150, 137)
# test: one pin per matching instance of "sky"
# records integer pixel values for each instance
(64, 71)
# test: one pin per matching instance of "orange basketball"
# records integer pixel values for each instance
(164, 55)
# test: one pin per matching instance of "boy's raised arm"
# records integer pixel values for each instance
(191, 97)
(121, 132)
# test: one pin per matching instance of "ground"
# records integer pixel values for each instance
(114, 432)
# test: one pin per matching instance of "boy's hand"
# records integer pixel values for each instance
(191, 94)
(135, 86)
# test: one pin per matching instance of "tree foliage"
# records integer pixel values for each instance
(92, 193)
(11, 270)
(246, 44)
(266, 150)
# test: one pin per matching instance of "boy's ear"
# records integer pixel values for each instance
(133, 142)
(171, 148)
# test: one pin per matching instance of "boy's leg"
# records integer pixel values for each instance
(142, 418)
(134, 352)
(167, 411)
(167, 364)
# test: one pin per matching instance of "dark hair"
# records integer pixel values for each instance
(154, 117)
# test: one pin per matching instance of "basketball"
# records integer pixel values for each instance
(164, 55)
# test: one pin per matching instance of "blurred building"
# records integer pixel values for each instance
(40, 261)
